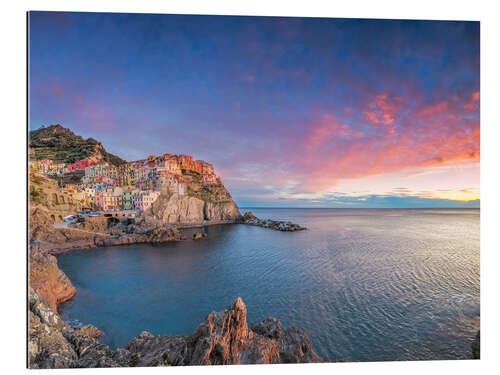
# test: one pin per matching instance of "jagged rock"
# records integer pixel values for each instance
(161, 234)
(295, 347)
(476, 346)
(161, 350)
(90, 331)
(249, 216)
(47, 347)
(270, 327)
(223, 338)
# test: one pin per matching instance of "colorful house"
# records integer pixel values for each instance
(79, 165)
(145, 199)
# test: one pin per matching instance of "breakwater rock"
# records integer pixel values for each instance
(222, 339)
(138, 235)
(283, 226)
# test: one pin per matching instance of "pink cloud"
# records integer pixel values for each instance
(383, 110)
(328, 127)
(434, 110)
(324, 150)
(425, 136)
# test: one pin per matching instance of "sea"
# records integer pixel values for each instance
(364, 284)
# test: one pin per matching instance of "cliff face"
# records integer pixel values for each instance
(44, 192)
(46, 278)
(189, 210)
(222, 339)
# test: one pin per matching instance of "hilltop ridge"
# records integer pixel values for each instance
(60, 144)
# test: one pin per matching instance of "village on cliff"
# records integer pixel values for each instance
(130, 186)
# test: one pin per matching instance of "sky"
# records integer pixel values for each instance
(292, 112)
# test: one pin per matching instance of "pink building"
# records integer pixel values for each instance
(80, 164)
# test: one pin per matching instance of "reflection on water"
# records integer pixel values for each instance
(366, 285)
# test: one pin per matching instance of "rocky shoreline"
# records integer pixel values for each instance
(284, 226)
(222, 339)
(96, 232)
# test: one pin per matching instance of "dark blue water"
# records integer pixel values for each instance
(366, 285)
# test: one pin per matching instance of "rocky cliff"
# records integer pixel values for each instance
(46, 193)
(222, 339)
(190, 210)
(47, 279)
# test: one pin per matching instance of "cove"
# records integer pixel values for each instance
(365, 285)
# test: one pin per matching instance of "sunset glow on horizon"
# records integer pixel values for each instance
(292, 112)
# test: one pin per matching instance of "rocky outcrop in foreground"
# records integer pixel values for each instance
(222, 339)
(283, 226)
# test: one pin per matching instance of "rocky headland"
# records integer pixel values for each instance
(191, 210)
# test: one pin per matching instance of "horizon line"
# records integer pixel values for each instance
(369, 208)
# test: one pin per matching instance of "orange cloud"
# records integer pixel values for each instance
(473, 103)
(425, 136)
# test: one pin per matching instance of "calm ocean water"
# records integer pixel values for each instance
(366, 285)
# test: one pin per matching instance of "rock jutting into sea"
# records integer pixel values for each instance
(222, 339)
(283, 226)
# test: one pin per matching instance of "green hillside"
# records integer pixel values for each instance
(58, 143)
